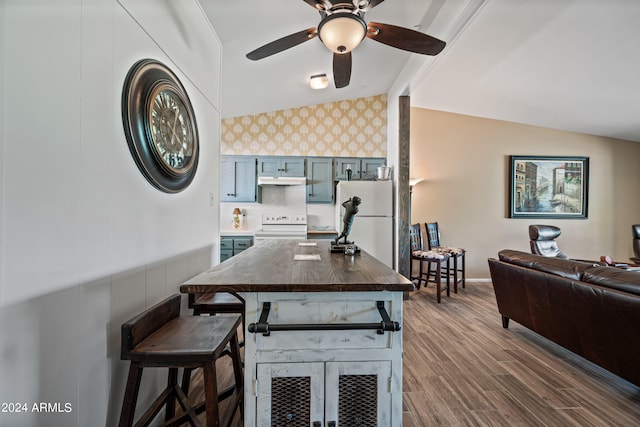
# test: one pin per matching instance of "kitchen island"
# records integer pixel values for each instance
(323, 341)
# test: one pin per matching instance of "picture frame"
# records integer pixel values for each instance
(548, 187)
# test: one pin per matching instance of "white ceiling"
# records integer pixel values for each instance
(564, 64)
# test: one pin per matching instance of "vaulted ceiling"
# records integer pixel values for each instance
(564, 64)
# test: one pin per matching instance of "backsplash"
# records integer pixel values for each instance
(318, 215)
(350, 128)
(284, 199)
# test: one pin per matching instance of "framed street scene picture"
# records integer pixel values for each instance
(548, 187)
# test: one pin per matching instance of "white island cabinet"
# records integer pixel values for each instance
(323, 338)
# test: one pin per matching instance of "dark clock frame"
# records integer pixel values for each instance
(141, 81)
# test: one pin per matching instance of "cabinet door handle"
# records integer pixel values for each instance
(231, 195)
(331, 424)
(317, 424)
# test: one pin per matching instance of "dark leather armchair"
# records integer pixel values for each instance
(635, 228)
(542, 240)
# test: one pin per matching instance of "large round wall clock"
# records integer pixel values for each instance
(160, 126)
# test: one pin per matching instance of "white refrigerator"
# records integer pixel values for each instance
(372, 228)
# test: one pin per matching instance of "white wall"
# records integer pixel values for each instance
(86, 242)
(464, 161)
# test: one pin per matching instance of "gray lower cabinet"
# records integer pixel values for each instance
(226, 248)
(238, 179)
(319, 180)
(233, 245)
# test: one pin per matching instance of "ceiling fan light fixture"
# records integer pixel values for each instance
(342, 32)
(319, 81)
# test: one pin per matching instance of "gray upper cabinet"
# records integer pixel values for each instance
(281, 166)
(361, 169)
(319, 180)
(238, 179)
(369, 168)
(347, 163)
(239, 174)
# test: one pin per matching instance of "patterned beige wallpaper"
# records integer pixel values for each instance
(352, 128)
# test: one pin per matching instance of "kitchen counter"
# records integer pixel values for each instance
(271, 266)
(320, 334)
(239, 232)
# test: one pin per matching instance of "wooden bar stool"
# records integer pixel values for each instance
(217, 302)
(160, 337)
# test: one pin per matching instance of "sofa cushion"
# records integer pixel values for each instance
(614, 278)
(558, 266)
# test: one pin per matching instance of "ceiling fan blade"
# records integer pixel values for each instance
(282, 44)
(404, 38)
(341, 69)
(311, 3)
(373, 3)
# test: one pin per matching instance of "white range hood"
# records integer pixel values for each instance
(283, 180)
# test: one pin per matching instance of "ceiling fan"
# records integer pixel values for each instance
(342, 27)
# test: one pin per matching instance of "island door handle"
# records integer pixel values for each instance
(317, 424)
(331, 424)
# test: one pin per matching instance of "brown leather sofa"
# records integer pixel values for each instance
(590, 309)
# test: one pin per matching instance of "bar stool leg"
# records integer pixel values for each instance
(131, 395)
(237, 373)
(211, 395)
(455, 274)
(172, 381)
(186, 380)
(464, 255)
(438, 280)
(448, 277)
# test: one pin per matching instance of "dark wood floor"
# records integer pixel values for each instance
(461, 368)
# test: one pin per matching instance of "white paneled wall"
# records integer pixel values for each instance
(86, 242)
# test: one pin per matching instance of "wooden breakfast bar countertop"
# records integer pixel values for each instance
(282, 265)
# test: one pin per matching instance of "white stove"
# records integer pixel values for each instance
(282, 226)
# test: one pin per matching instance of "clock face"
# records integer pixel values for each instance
(160, 126)
(171, 128)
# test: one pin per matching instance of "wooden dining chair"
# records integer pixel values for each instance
(434, 259)
(456, 255)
